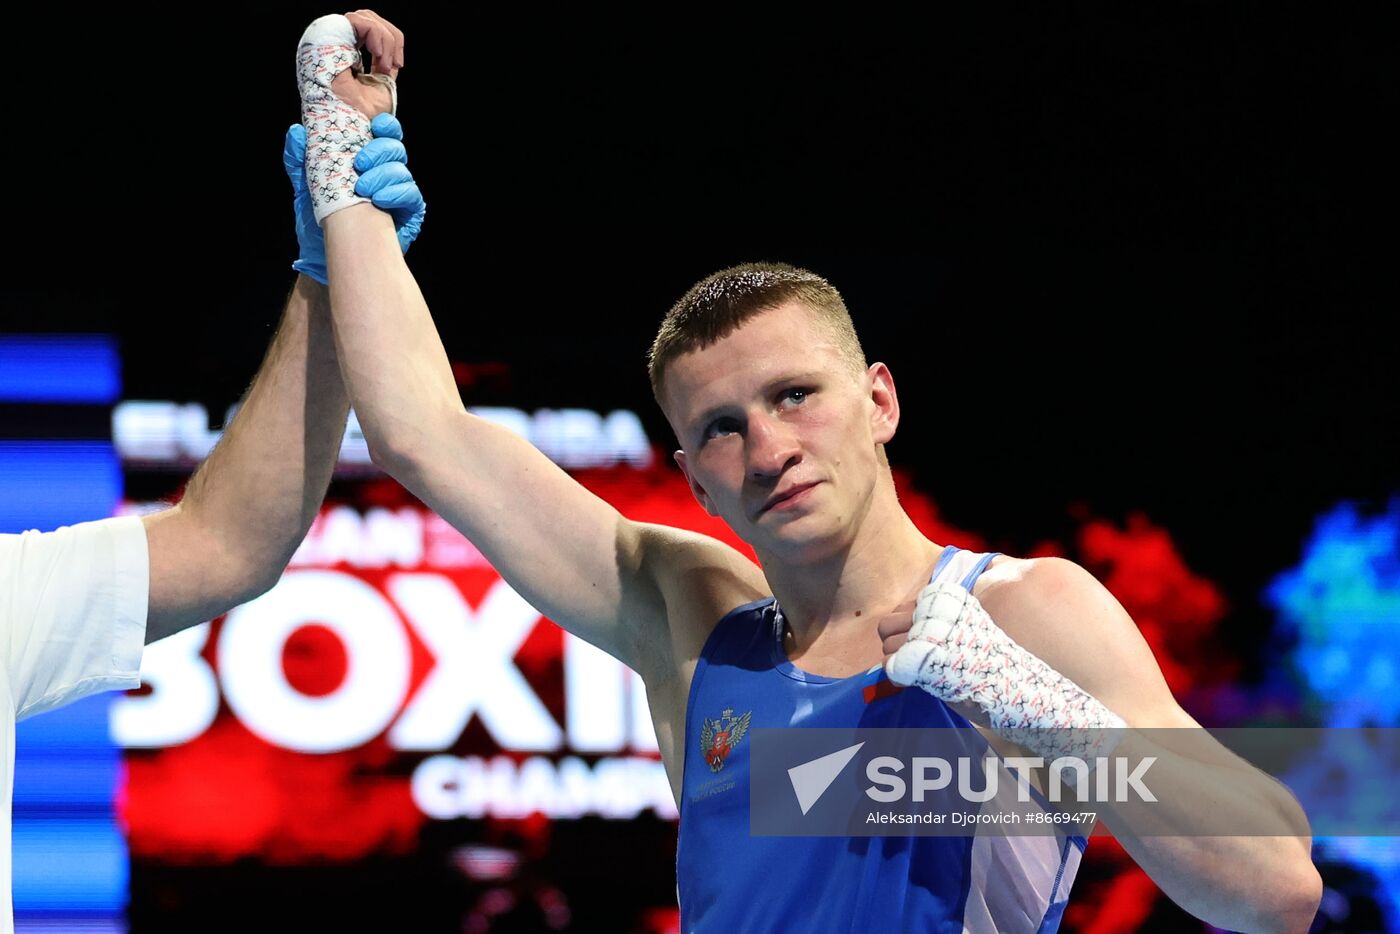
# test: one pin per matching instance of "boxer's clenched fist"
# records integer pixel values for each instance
(369, 93)
(381, 38)
(926, 621)
(952, 649)
(338, 100)
(910, 637)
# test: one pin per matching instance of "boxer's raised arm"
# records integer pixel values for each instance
(572, 555)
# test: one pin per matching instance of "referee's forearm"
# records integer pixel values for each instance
(263, 484)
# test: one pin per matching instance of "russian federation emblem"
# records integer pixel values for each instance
(719, 737)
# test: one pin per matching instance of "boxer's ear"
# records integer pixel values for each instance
(696, 489)
(884, 417)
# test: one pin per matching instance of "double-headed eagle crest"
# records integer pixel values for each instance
(719, 737)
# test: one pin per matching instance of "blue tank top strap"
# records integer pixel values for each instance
(949, 551)
(970, 580)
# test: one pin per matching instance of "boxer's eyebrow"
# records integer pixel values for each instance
(766, 390)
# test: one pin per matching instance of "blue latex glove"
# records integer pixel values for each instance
(312, 261)
(384, 179)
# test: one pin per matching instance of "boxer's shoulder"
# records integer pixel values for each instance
(699, 579)
(1029, 576)
(1020, 592)
(1003, 572)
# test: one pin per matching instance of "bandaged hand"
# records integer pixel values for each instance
(338, 100)
(951, 648)
(384, 179)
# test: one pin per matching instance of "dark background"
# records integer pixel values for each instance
(1127, 260)
(1139, 258)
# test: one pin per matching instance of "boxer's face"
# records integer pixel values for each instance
(780, 433)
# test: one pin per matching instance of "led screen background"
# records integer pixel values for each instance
(1128, 270)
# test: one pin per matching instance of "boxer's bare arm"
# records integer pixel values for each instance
(249, 505)
(573, 556)
(1259, 882)
(1263, 880)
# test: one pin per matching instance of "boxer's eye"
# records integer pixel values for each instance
(794, 396)
(720, 427)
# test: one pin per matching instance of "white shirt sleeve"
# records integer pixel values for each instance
(73, 611)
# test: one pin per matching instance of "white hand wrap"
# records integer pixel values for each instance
(335, 131)
(957, 653)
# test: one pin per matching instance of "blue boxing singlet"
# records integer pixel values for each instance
(731, 882)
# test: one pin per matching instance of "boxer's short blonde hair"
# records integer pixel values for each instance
(717, 305)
